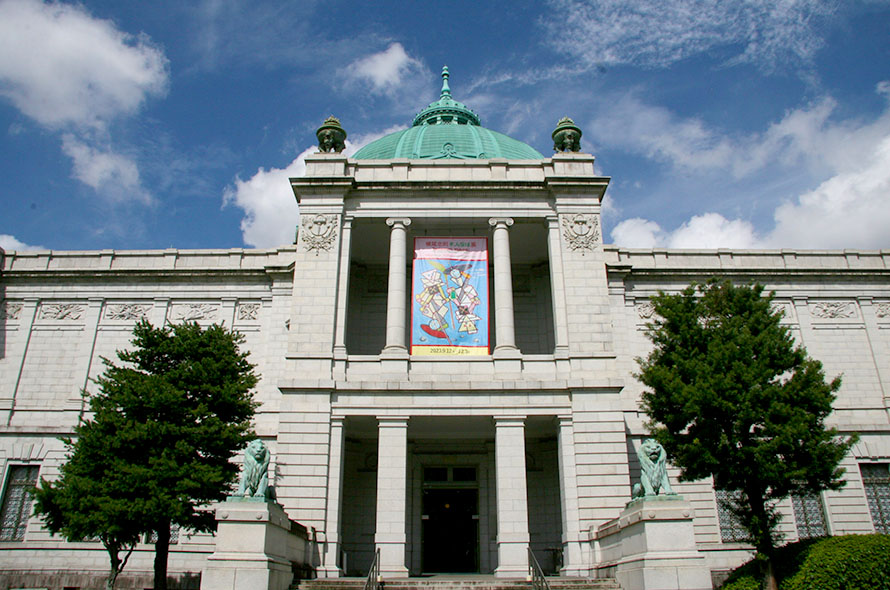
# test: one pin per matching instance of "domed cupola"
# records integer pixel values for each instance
(447, 129)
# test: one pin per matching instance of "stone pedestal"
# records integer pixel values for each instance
(257, 547)
(651, 546)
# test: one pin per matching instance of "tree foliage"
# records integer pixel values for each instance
(732, 397)
(157, 450)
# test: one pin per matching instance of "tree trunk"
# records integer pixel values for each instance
(769, 577)
(114, 558)
(162, 548)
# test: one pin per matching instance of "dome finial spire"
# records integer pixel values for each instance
(446, 91)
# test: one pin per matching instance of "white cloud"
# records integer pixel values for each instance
(8, 242)
(849, 210)
(710, 230)
(387, 71)
(61, 66)
(112, 175)
(268, 202)
(657, 33)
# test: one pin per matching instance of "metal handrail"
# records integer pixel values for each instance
(374, 581)
(538, 580)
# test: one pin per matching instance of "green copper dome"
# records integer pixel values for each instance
(447, 129)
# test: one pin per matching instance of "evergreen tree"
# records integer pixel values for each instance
(158, 447)
(732, 397)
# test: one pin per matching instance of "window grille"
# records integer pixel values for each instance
(731, 530)
(876, 481)
(809, 516)
(152, 537)
(17, 501)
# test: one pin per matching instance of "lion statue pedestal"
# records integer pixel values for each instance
(257, 546)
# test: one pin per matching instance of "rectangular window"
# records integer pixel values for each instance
(809, 516)
(17, 501)
(731, 530)
(876, 481)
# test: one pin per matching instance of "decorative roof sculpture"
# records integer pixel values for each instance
(566, 136)
(331, 136)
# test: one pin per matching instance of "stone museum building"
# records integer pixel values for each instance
(446, 356)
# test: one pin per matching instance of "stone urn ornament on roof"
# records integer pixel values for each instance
(331, 136)
(566, 136)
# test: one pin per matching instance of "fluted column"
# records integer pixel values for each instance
(396, 296)
(503, 287)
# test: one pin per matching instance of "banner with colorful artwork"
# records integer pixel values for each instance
(449, 296)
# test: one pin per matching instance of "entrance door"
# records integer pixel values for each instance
(450, 530)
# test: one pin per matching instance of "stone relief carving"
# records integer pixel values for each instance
(882, 310)
(248, 312)
(127, 311)
(190, 312)
(580, 231)
(653, 467)
(319, 232)
(645, 310)
(61, 311)
(783, 308)
(10, 311)
(834, 310)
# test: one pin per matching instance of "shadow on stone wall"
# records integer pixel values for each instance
(59, 580)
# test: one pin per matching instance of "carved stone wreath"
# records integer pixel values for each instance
(61, 311)
(319, 232)
(581, 232)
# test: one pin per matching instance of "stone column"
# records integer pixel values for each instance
(342, 289)
(512, 497)
(557, 289)
(396, 297)
(392, 470)
(503, 288)
(572, 553)
(331, 567)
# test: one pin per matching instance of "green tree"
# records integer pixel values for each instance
(158, 447)
(732, 397)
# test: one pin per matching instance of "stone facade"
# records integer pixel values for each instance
(535, 444)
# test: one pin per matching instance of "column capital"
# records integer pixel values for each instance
(392, 421)
(506, 420)
(398, 221)
(500, 222)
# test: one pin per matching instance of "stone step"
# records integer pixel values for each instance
(460, 583)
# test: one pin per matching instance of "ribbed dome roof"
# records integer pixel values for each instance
(447, 129)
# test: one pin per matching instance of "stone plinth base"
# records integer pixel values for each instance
(651, 546)
(257, 547)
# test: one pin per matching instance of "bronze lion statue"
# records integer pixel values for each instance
(255, 476)
(653, 466)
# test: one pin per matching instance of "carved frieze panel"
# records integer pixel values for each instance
(833, 310)
(10, 311)
(318, 232)
(62, 312)
(248, 312)
(645, 310)
(193, 312)
(581, 232)
(127, 311)
(786, 309)
(882, 310)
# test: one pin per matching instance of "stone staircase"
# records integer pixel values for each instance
(458, 582)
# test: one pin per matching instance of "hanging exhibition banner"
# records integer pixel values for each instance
(449, 296)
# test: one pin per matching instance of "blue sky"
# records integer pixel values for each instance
(746, 124)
